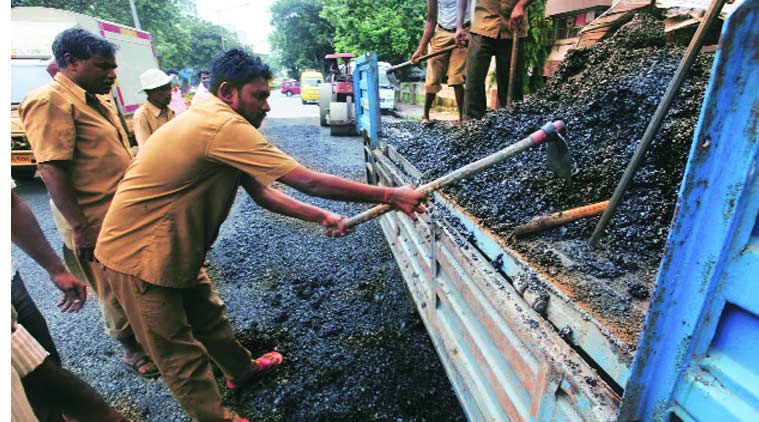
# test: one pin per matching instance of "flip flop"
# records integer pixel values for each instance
(264, 364)
(151, 373)
(426, 122)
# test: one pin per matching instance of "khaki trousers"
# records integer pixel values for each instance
(116, 323)
(452, 63)
(183, 330)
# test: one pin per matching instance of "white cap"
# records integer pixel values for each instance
(154, 78)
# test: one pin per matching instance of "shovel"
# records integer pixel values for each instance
(558, 158)
(396, 83)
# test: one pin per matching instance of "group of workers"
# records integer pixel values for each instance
(481, 29)
(137, 228)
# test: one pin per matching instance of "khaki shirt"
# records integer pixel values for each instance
(491, 18)
(62, 124)
(177, 192)
(147, 119)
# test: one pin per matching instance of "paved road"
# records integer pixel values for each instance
(352, 297)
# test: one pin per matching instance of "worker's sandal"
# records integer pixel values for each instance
(264, 364)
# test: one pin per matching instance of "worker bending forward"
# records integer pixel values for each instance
(167, 212)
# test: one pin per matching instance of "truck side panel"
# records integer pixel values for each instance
(505, 361)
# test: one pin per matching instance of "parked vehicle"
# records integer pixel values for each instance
(517, 347)
(290, 87)
(386, 89)
(336, 97)
(33, 30)
(309, 86)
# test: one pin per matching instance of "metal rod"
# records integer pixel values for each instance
(661, 112)
(512, 69)
(392, 69)
(134, 15)
(545, 134)
(545, 222)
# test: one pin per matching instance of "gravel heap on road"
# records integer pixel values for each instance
(354, 347)
(606, 94)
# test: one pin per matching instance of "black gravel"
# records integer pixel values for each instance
(606, 94)
(354, 346)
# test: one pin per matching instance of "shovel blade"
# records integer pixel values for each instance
(559, 158)
(393, 80)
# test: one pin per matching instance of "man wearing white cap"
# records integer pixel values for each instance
(155, 112)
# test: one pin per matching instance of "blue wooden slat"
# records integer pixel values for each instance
(366, 96)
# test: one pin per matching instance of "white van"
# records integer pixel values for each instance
(386, 90)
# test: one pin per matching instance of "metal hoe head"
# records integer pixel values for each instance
(558, 156)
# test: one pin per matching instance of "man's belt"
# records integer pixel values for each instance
(452, 30)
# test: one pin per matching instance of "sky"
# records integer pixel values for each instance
(248, 16)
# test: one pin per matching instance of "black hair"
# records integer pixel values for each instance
(202, 72)
(172, 72)
(80, 44)
(237, 67)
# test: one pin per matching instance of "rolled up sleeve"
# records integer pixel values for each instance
(239, 145)
(49, 128)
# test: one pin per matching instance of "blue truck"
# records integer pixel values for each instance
(500, 341)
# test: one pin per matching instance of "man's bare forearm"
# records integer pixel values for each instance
(332, 187)
(461, 6)
(57, 177)
(26, 233)
(429, 25)
(281, 203)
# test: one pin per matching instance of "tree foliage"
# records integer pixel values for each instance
(392, 28)
(536, 47)
(301, 38)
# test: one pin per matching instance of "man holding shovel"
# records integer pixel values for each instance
(167, 212)
(496, 27)
(439, 33)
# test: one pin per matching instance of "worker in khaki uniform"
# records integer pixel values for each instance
(155, 112)
(167, 212)
(494, 24)
(83, 153)
(439, 31)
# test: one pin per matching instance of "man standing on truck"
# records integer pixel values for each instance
(83, 153)
(494, 25)
(439, 33)
(155, 112)
(167, 212)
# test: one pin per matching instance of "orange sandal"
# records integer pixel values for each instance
(264, 364)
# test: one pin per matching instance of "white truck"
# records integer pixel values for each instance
(33, 30)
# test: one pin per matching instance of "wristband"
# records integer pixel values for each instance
(386, 195)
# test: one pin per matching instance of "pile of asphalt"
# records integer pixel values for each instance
(606, 95)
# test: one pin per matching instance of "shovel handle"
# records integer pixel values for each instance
(546, 133)
(545, 222)
(392, 69)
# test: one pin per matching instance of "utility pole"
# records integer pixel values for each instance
(134, 15)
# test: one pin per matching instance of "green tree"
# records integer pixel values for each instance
(301, 38)
(392, 28)
(536, 46)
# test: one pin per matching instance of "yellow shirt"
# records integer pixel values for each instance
(63, 124)
(177, 192)
(147, 119)
(491, 18)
